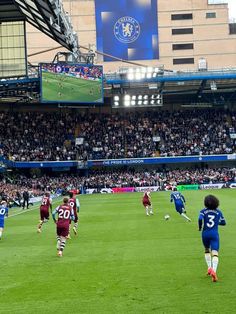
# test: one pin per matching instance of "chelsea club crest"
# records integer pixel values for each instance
(127, 29)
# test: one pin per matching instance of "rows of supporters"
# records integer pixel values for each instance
(99, 179)
(52, 136)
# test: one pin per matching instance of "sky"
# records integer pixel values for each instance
(232, 9)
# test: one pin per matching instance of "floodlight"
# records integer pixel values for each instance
(130, 76)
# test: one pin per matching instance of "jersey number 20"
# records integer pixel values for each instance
(64, 214)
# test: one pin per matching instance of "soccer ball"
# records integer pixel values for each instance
(167, 217)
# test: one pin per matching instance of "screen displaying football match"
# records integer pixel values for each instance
(71, 83)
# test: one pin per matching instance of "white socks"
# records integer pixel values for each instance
(208, 259)
(186, 217)
(215, 261)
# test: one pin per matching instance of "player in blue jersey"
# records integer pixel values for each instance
(179, 201)
(209, 218)
(3, 214)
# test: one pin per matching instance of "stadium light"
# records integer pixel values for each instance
(213, 86)
(130, 76)
(138, 76)
(141, 100)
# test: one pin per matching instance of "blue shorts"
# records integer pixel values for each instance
(211, 240)
(1, 223)
(179, 207)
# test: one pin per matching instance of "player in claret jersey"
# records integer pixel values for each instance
(147, 203)
(44, 210)
(210, 217)
(75, 205)
(65, 214)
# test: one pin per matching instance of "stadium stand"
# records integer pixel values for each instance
(51, 136)
(116, 178)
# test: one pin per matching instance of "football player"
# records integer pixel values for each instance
(44, 210)
(179, 201)
(65, 215)
(75, 205)
(146, 200)
(209, 218)
(3, 214)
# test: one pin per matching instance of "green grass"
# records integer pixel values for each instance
(121, 261)
(70, 89)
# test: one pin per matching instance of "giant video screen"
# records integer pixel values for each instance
(71, 83)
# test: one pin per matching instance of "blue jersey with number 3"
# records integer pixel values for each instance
(212, 219)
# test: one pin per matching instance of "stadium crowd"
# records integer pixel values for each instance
(13, 187)
(52, 136)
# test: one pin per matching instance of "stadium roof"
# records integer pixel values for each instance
(190, 89)
(46, 15)
(213, 87)
(9, 11)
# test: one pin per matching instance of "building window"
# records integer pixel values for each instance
(210, 15)
(186, 16)
(183, 61)
(12, 49)
(182, 46)
(232, 28)
(182, 31)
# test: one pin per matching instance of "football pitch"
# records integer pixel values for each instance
(120, 262)
(62, 88)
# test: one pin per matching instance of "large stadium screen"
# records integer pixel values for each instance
(71, 83)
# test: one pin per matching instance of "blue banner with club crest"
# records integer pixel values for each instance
(127, 29)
